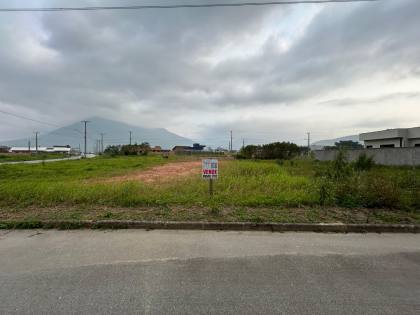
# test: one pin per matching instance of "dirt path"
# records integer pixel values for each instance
(161, 173)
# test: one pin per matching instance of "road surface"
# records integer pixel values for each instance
(89, 156)
(205, 272)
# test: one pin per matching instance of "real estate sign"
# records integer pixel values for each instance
(210, 169)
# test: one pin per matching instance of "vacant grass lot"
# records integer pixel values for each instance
(291, 191)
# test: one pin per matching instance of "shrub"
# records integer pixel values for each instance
(276, 150)
(112, 150)
(280, 162)
(364, 163)
(348, 192)
(381, 192)
(326, 191)
(340, 168)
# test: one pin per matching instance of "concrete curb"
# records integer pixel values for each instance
(215, 226)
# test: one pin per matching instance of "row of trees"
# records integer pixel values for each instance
(276, 150)
(345, 145)
(128, 149)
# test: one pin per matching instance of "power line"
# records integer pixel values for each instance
(39, 121)
(178, 6)
(26, 118)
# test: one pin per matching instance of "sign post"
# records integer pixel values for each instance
(210, 172)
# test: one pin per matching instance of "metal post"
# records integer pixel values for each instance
(211, 187)
(309, 143)
(102, 143)
(85, 122)
(36, 141)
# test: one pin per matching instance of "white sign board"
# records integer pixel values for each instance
(210, 169)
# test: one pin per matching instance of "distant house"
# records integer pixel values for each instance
(156, 149)
(4, 149)
(392, 138)
(195, 148)
(54, 149)
(181, 148)
(221, 149)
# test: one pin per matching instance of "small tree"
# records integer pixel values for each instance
(112, 150)
(271, 151)
(364, 162)
(340, 166)
(248, 152)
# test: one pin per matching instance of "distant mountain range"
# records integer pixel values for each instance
(331, 142)
(115, 132)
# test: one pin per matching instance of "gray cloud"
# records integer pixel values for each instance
(172, 68)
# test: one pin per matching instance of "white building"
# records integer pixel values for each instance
(392, 138)
(54, 149)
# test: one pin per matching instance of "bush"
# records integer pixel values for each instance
(326, 191)
(271, 151)
(364, 163)
(381, 192)
(340, 168)
(112, 150)
(348, 192)
(128, 149)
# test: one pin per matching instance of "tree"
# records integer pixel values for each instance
(112, 150)
(276, 150)
(136, 149)
(128, 149)
(348, 145)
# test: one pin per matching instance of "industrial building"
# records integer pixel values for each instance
(392, 138)
(54, 149)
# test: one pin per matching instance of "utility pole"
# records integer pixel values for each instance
(36, 141)
(231, 141)
(243, 143)
(29, 145)
(102, 142)
(85, 122)
(309, 142)
(130, 137)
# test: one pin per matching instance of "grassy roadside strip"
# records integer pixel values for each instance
(303, 215)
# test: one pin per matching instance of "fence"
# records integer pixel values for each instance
(384, 156)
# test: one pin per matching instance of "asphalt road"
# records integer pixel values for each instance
(89, 156)
(193, 272)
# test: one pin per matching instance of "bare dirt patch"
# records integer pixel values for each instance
(161, 173)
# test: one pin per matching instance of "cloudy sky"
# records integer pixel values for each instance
(267, 73)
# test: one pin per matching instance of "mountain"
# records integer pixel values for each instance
(331, 142)
(115, 132)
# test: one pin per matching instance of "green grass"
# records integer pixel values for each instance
(241, 183)
(30, 157)
(68, 172)
(246, 191)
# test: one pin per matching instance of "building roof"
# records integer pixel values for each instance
(43, 149)
(185, 147)
(409, 133)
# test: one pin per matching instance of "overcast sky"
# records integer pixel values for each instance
(267, 73)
